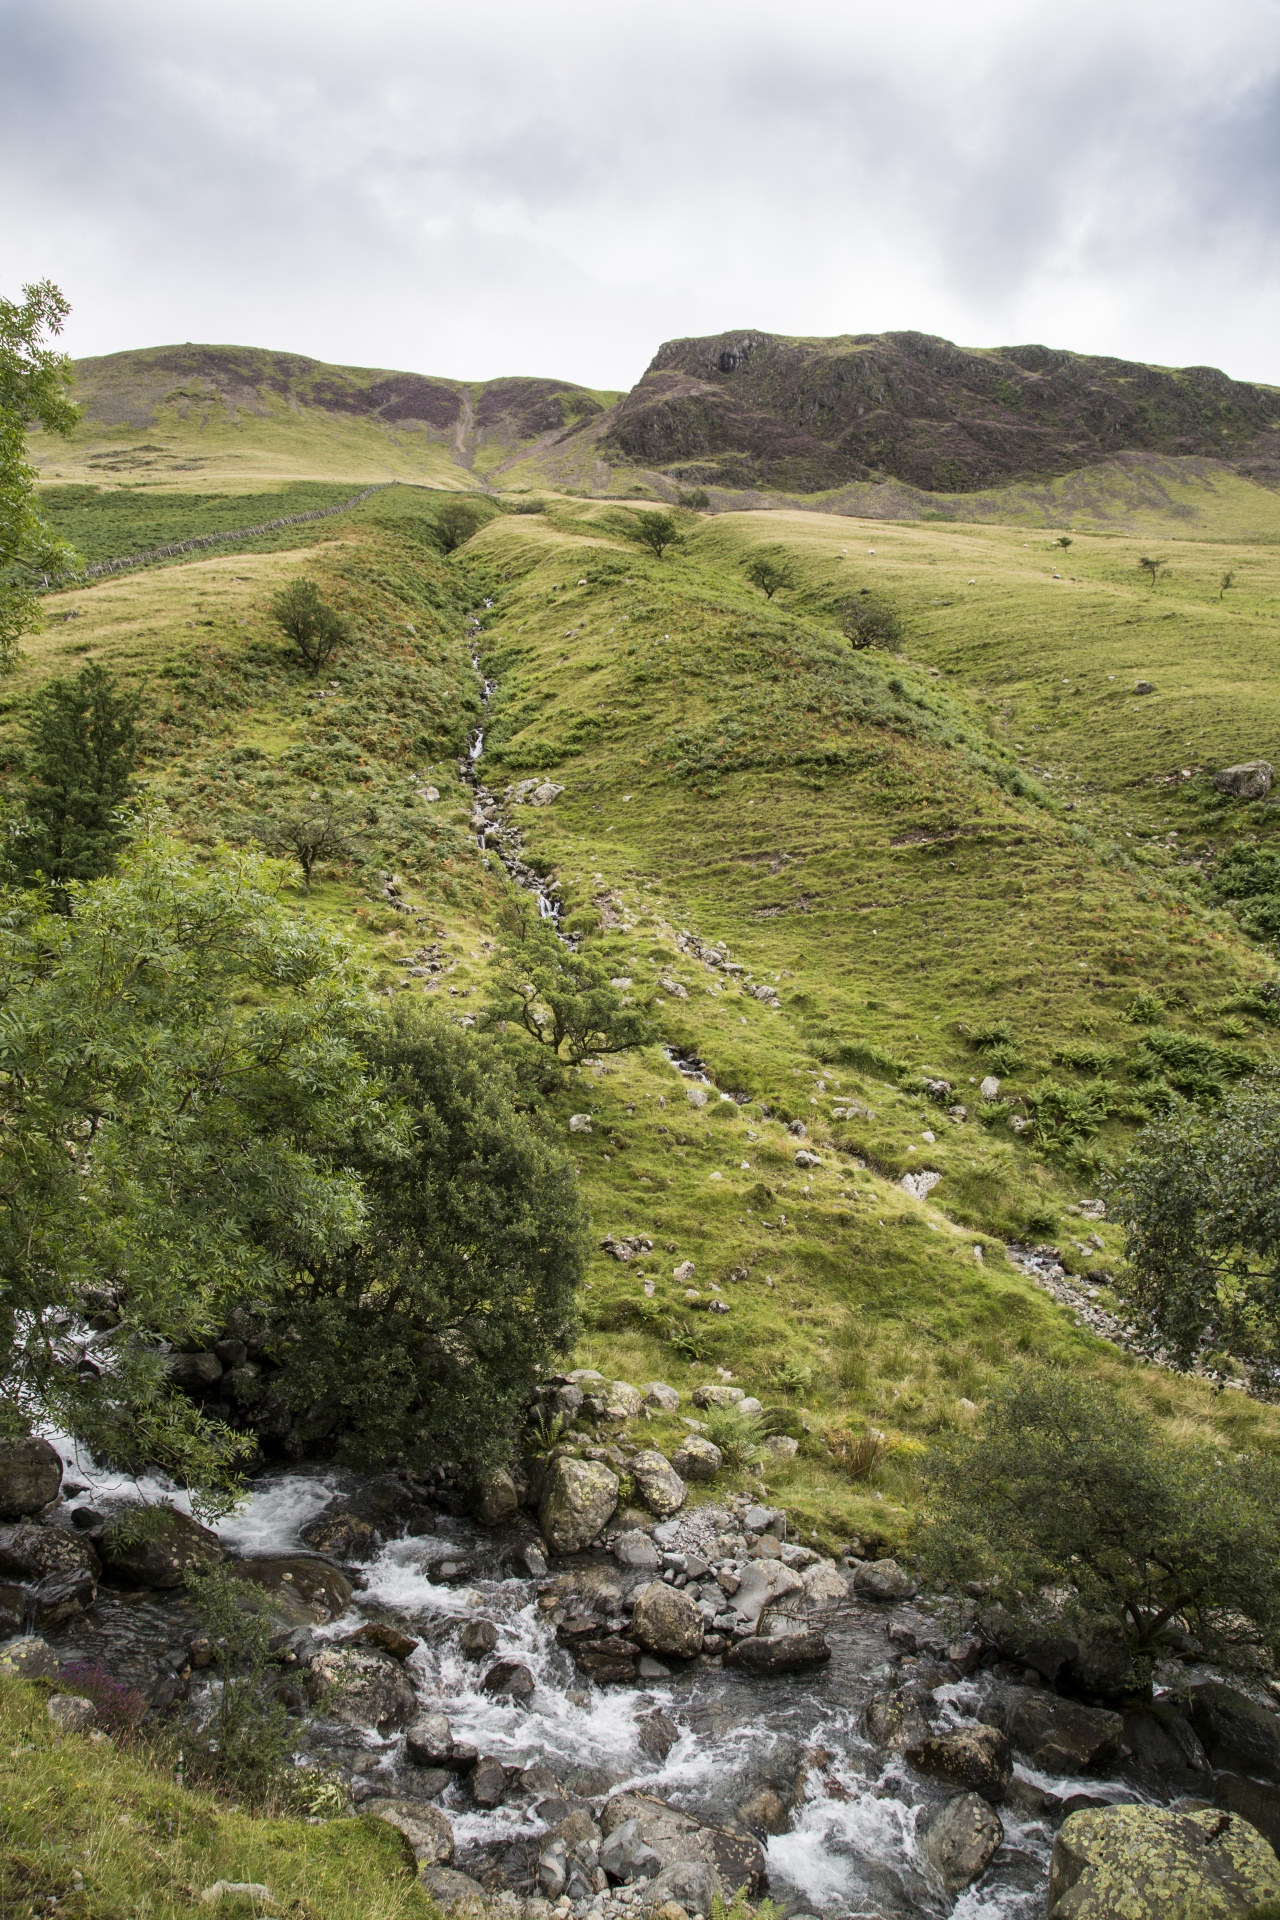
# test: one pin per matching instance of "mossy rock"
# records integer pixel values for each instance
(1149, 1863)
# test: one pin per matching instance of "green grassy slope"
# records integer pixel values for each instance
(98, 1833)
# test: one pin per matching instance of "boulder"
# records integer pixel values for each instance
(194, 1372)
(160, 1549)
(667, 1621)
(28, 1658)
(780, 1653)
(1151, 1863)
(656, 1733)
(71, 1712)
(1253, 1800)
(425, 1830)
(959, 1838)
(884, 1580)
(341, 1534)
(824, 1584)
(379, 1633)
(763, 1583)
(362, 1688)
(781, 1446)
(51, 1602)
(1236, 1731)
(636, 1549)
(30, 1553)
(455, 1892)
(622, 1402)
(626, 1854)
(1061, 1736)
(508, 1680)
(974, 1758)
(718, 1396)
(578, 1500)
(662, 1398)
(897, 1721)
(658, 1483)
(677, 1838)
(1250, 780)
(765, 1811)
(477, 1638)
(607, 1658)
(488, 1782)
(697, 1459)
(302, 1590)
(497, 1498)
(429, 1741)
(1166, 1748)
(688, 1887)
(30, 1475)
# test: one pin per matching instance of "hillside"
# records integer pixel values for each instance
(758, 409)
(238, 415)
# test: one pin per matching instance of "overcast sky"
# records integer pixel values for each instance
(556, 186)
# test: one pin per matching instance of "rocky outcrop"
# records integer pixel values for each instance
(30, 1475)
(30, 1553)
(1150, 1863)
(158, 1548)
(1236, 1731)
(1061, 1736)
(578, 1500)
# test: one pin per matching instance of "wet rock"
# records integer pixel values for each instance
(1166, 1748)
(960, 1838)
(50, 1603)
(976, 1758)
(662, 1398)
(1060, 1736)
(667, 1621)
(488, 1782)
(824, 1584)
(425, 1830)
(30, 1553)
(579, 1498)
(160, 1549)
(430, 1743)
(377, 1633)
(361, 1688)
(29, 1658)
(1253, 1801)
(1236, 1731)
(656, 1734)
(30, 1475)
(497, 1498)
(508, 1680)
(658, 1483)
(1045, 1645)
(341, 1534)
(1250, 780)
(608, 1660)
(897, 1721)
(626, 1854)
(765, 1812)
(477, 1638)
(884, 1580)
(697, 1459)
(1151, 1863)
(71, 1713)
(636, 1549)
(763, 1583)
(553, 1870)
(766, 1654)
(304, 1591)
(677, 1837)
(455, 1892)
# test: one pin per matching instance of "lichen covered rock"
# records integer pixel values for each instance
(1150, 1863)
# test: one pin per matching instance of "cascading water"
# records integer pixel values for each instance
(493, 832)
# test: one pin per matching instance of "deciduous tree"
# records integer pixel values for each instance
(34, 383)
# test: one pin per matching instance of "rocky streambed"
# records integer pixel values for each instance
(682, 1706)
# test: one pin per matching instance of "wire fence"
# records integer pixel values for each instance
(212, 539)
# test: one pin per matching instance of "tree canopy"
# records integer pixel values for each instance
(34, 383)
(561, 996)
(1066, 1490)
(81, 748)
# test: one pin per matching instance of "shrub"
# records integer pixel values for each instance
(316, 629)
(120, 1707)
(770, 570)
(1064, 1487)
(868, 622)
(243, 1739)
(656, 531)
(455, 521)
(81, 749)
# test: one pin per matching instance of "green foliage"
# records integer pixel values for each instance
(1247, 880)
(242, 1742)
(422, 1333)
(696, 499)
(739, 1436)
(81, 748)
(1065, 1486)
(163, 1151)
(1153, 569)
(455, 520)
(656, 531)
(316, 629)
(34, 380)
(1199, 1197)
(770, 570)
(325, 830)
(113, 523)
(867, 621)
(1067, 1116)
(561, 997)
